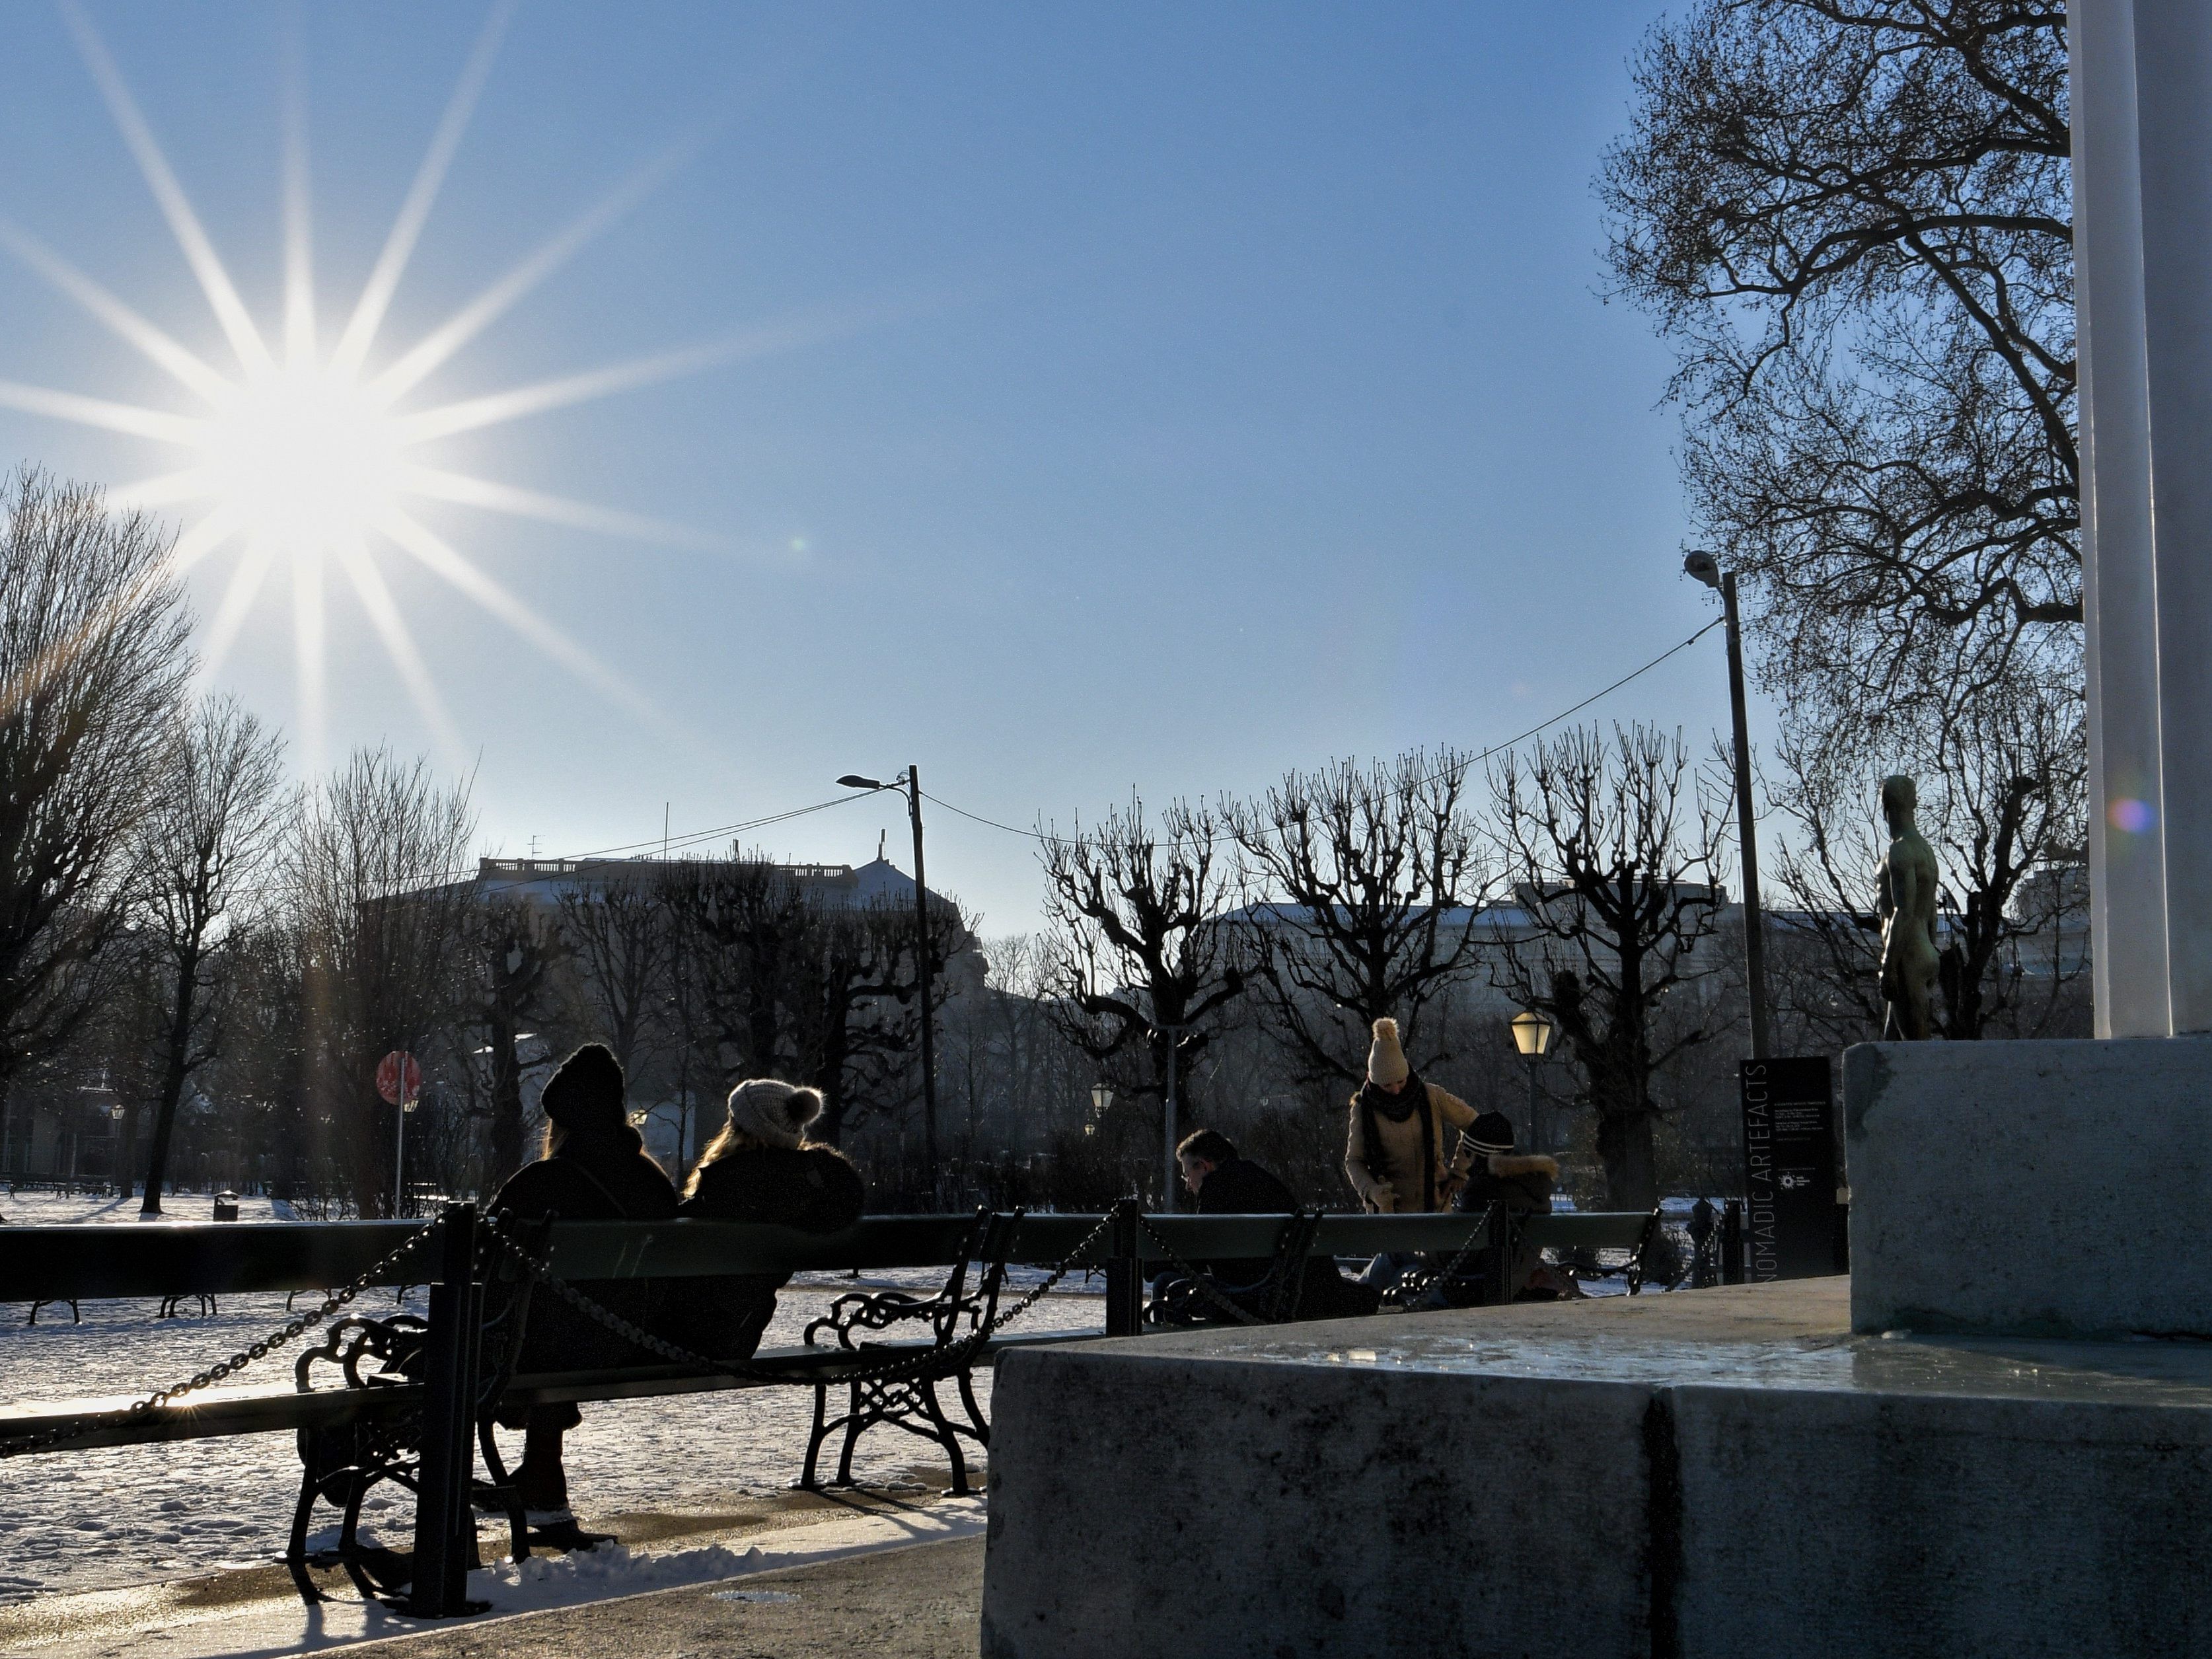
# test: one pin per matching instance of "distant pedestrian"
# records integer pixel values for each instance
(760, 1168)
(595, 1169)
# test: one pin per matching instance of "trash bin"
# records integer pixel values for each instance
(226, 1206)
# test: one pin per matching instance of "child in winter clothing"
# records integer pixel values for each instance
(760, 1168)
(1519, 1184)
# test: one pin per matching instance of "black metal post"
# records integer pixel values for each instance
(928, 1014)
(1754, 925)
(1536, 1136)
(1732, 1242)
(1125, 1273)
(1498, 1256)
(445, 1521)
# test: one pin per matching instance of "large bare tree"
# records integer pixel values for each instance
(379, 868)
(93, 662)
(1141, 954)
(1361, 885)
(1614, 861)
(517, 944)
(1853, 217)
(206, 843)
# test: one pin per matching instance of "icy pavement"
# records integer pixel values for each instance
(182, 1626)
(135, 1514)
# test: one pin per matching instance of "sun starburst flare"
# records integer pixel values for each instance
(303, 459)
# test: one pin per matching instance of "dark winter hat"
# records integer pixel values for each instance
(586, 1092)
(1491, 1132)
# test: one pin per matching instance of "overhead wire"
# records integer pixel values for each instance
(1473, 760)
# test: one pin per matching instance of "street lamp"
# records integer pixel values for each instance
(1706, 568)
(910, 782)
(1532, 1036)
(1101, 1098)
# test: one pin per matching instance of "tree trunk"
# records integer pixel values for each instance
(507, 1156)
(173, 1092)
(1631, 1174)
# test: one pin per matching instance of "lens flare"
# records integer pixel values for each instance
(2130, 815)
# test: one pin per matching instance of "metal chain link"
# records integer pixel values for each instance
(954, 1356)
(222, 1367)
(1204, 1281)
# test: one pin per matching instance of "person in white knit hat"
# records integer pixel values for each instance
(1395, 1152)
(761, 1168)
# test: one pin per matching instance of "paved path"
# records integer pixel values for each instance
(920, 1602)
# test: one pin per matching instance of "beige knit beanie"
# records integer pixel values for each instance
(772, 1112)
(1386, 1061)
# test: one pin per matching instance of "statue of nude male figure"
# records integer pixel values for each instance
(1906, 905)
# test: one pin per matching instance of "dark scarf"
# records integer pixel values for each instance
(1375, 1101)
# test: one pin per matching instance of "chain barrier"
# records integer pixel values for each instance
(46, 1439)
(1214, 1293)
(951, 1358)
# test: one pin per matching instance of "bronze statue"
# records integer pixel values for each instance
(1906, 905)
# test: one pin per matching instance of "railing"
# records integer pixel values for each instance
(54, 1263)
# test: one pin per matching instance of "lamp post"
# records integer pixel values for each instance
(910, 782)
(1171, 1169)
(1707, 569)
(1101, 1098)
(1532, 1036)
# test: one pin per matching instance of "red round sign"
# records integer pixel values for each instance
(399, 1078)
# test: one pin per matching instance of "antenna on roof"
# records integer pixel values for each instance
(880, 834)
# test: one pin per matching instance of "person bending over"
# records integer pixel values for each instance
(594, 1169)
(1225, 1184)
(760, 1168)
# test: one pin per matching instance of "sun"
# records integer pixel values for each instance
(305, 457)
(309, 456)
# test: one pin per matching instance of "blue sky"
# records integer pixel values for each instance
(1169, 395)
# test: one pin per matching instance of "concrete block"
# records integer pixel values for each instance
(2055, 1188)
(1146, 1502)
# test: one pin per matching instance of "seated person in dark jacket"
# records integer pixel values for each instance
(595, 1169)
(759, 1168)
(1226, 1184)
(1520, 1184)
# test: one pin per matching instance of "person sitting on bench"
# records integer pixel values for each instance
(595, 1169)
(1225, 1184)
(760, 1168)
(1521, 1185)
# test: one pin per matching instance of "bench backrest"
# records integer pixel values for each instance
(179, 1259)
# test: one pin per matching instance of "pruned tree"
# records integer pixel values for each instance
(379, 870)
(2003, 780)
(1360, 887)
(93, 662)
(742, 925)
(1141, 954)
(205, 844)
(1854, 220)
(517, 944)
(1614, 858)
(614, 923)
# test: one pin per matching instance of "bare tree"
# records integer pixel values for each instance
(614, 923)
(1615, 860)
(93, 661)
(1361, 886)
(1854, 222)
(1140, 952)
(205, 843)
(379, 870)
(742, 926)
(517, 944)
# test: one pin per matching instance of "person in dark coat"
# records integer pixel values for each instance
(595, 1167)
(760, 1168)
(1520, 1184)
(1225, 1183)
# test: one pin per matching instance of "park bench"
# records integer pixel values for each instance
(426, 1405)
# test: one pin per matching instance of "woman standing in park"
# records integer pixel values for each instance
(1395, 1152)
(760, 1168)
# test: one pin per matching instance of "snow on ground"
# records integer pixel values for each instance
(123, 1516)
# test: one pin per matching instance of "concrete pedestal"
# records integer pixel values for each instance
(1713, 1474)
(2047, 1188)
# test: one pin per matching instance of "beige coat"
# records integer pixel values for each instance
(1388, 1177)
